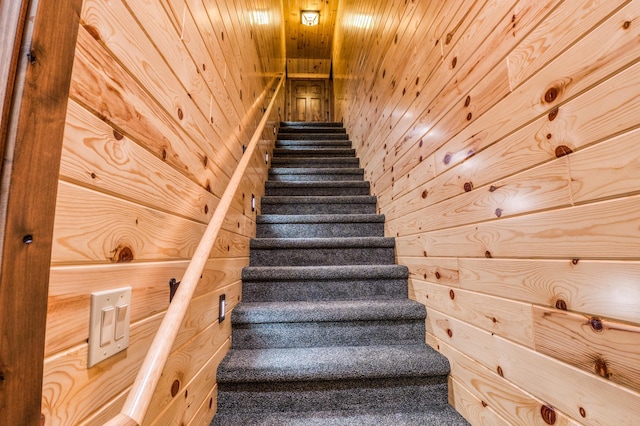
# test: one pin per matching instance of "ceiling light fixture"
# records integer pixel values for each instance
(309, 17)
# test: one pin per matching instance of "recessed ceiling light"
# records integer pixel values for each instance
(309, 17)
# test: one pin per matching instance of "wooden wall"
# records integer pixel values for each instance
(502, 139)
(164, 95)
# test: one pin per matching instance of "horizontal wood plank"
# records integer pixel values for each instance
(602, 347)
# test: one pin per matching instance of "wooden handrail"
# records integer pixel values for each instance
(139, 397)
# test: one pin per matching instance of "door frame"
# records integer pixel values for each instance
(38, 44)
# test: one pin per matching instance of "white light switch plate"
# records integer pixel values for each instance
(114, 306)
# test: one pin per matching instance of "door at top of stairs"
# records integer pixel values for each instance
(309, 100)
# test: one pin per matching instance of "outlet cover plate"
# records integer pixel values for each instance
(109, 324)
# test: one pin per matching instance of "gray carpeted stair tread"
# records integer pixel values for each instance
(346, 187)
(305, 151)
(330, 162)
(331, 363)
(320, 218)
(327, 204)
(313, 143)
(319, 226)
(264, 273)
(315, 243)
(285, 124)
(327, 311)
(427, 416)
(316, 170)
(312, 136)
(313, 129)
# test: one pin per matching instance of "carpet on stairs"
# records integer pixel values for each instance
(325, 333)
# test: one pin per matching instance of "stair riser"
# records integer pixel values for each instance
(314, 191)
(311, 152)
(318, 162)
(318, 208)
(312, 136)
(283, 177)
(400, 394)
(319, 230)
(322, 256)
(308, 290)
(343, 333)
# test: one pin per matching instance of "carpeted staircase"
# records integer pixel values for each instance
(325, 334)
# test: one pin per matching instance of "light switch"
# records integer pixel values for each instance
(106, 326)
(121, 317)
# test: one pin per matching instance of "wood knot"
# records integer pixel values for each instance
(626, 25)
(180, 114)
(210, 403)
(205, 161)
(175, 387)
(498, 212)
(601, 369)
(117, 135)
(123, 254)
(500, 372)
(596, 324)
(563, 150)
(93, 175)
(467, 101)
(447, 158)
(206, 209)
(454, 62)
(492, 188)
(424, 253)
(561, 304)
(553, 114)
(551, 95)
(469, 117)
(425, 193)
(484, 404)
(164, 154)
(548, 414)
(468, 186)
(583, 413)
(452, 294)
(448, 38)
(420, 143)
(438, 276)
(488, 254)
(575, 261)
(449, 332)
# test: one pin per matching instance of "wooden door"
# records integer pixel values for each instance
(307, 100)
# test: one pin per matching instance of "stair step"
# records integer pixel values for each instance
(322, 251)
(312, 136)
(331, 363)
(318, 144)
(318, 129)
(317, 188)
(427, 416)
(319, 226)
(304, 151)
(292, 174)
(309, 283)
(328, 323)
(357, 204)
(310, 124)
(330, 162)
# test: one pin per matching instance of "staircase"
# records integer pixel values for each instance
(326, 334)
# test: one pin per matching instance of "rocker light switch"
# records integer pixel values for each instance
(121, 323)
(109, 324)
(106, 326)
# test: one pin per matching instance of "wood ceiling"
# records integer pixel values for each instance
(309, 48)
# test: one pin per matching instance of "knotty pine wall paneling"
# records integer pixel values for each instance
(501, 138)
(164, 96)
